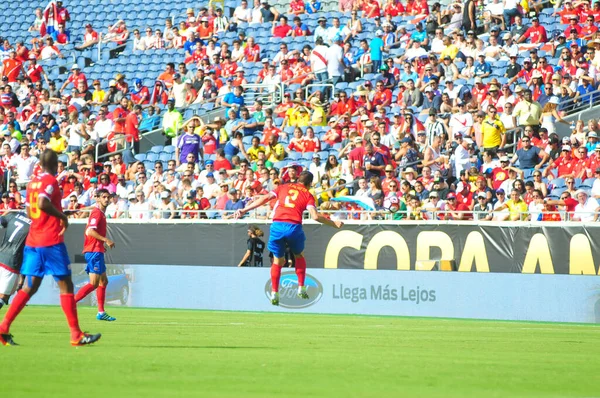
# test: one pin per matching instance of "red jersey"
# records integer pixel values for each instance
(252, 54)
(564, 166)
(132, 123)
(35, 72)
(78, 79)
(12, 68)
(536, 35)
(45, 229)
(292, 200)
(96, 221)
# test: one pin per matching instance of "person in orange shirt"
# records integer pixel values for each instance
(12, 67)
(119, 116)
(167, 76)
(205, 30)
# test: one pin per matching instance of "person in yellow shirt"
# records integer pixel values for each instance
(98, 95)
(57, 142)
(493, 131)
(254, 149)
(275, 152)
(319, 116)
(516, 206)
(449, 50)
(297, 116)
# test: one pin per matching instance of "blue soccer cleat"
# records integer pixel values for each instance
(103, 316)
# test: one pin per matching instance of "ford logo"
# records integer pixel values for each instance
(288, 290)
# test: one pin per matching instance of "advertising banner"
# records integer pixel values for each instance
(512, 248)
(554, 298)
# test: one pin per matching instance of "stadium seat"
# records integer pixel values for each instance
(140, 157)
(169, 149)
(156, 149)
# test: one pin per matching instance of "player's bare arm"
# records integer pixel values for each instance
(314, 214)
(260, 201)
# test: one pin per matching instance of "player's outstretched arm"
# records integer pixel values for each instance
(261, 200)
(45, 205)
(314, 214)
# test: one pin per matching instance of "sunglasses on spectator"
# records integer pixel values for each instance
(393, 186)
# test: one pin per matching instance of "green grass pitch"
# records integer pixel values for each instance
(176, 353)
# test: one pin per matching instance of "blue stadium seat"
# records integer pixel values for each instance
(165, 157)
(156, 149)
(151, 157)
(140, 157)
(169, 149)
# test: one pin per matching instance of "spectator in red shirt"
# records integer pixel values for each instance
(35, 71)
(573, 24)
(296, 7)
(563, 164)
(536, 33)
(132, 131)
(589, 29)
(75, 78)
(205, 30)
(12, 67)
(464, 195)
(120, 115)
(62, 14)
(90, 38)
(383, 96)
(252, 51)
(283, 29)
(454, 209)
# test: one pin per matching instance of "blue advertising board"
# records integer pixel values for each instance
(533, 297)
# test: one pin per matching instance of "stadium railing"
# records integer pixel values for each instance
(360, 216)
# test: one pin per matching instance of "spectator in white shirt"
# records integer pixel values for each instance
(587, 209)
(139, 208)
(117, 208)
(242, 13)
(316, 167)
(24, 164)
(103, 126)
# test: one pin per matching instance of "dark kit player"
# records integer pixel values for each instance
(93, 250)
(256, 247)
(11, 253)
(45, 252)
(292, 200)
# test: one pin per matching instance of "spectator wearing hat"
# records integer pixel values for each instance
(139, 207)
(90, 38)
(234, 203)
(536, 34)
(564, 164)
(527, 112)
(75, 77)
(482, 211)
(455, 210)
(587, 208)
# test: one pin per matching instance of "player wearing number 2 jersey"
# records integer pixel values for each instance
(11, 253)
(292, 200)
(45, 252)
(93, 250)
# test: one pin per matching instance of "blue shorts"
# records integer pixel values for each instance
(95, 263)
(282, 234)
(51, 260)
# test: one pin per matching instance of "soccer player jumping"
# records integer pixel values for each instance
(45, 252)
(292, 200)
(93, 250)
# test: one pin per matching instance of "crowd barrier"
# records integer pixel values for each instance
(506, 271)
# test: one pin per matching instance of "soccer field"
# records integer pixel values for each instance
(173, 353)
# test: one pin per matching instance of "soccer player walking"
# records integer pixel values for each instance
(292, 200)
(45, 252)
(11, 253)
(93, 250)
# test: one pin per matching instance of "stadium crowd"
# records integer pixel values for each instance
(448, 121)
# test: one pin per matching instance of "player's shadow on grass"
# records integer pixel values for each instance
(205, 347)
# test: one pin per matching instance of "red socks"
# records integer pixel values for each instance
(14, 309)
(301, 270)
(83, 292)
(67, 302)
(275, 276)
(101, 296)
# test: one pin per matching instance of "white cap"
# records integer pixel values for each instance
(164, 195)
(75, 66)
(504, 159)
(566, 148)
(379, 33)
(581, 191)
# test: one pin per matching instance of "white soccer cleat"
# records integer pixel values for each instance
(302, 292)
(275, 298)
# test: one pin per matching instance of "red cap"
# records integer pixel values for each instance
(451, 195)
